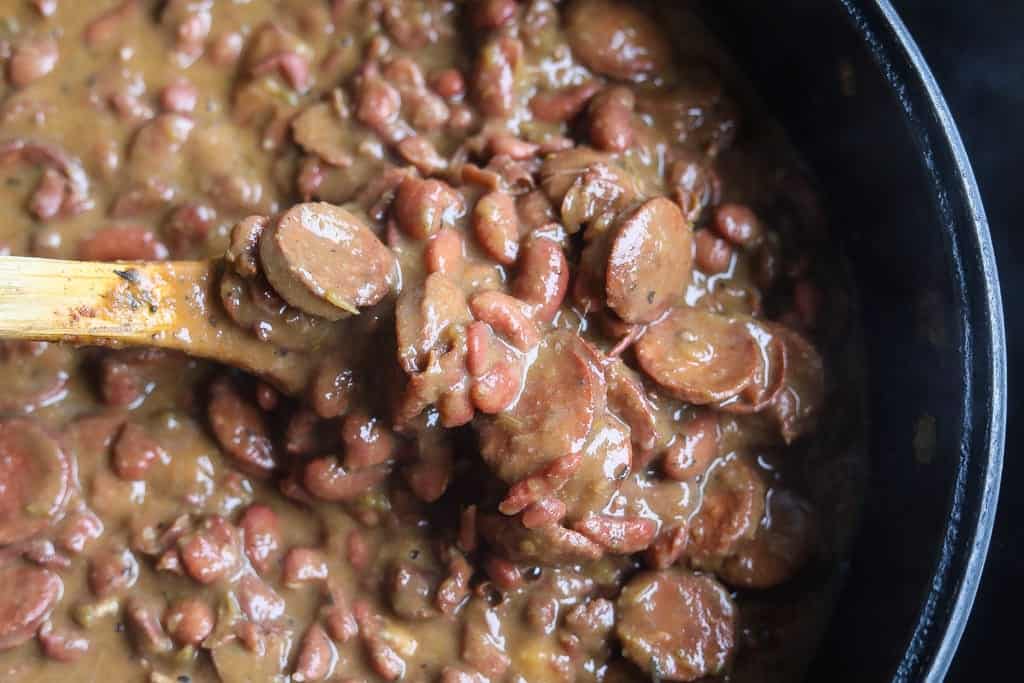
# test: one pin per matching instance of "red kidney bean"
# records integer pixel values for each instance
(328, 480)
(79, 530)
(483, 640)
(240, 429)
(512, 147)
(112, 571)
(411, 591)
(123, 243)
(226, 48)
(676, 624)
(367, 442)
(146, 629)
(261, 536)
(358, 551)
(495, 79)
(448, 83)
(496, 226)
(292, 67)
(544, 512)
(189, 621)
(738, 224)
(503, 574)
(379, 104)
(213, 552)
(453, 591)
(611, 119)
(27, 596)
(49, 195)
(694, 449)
(619, 535)
(421, 153)
(542, 278)
(316, 655)
(559, 106)
(429, 476)
(62, 645)
(507, 316)
(541, 484)
(135, 452)
(108, 25)
(467, 537)
(445, 253)
(179, 96)
(259, 602)
(46, 8)
(303, 565)
(338, 617)
(423, 207)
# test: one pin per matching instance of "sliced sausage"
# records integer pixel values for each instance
(35, 375)
(35, 480)
(649, 261)
(698, 357)
(730, 512)
(240, 429)
(675, 625)
(780, 548)
(325, 261)
(617, 39)
(796, 406)
(27, 596)
(564, 394)
(694, 449)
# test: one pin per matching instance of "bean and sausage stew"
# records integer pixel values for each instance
(579, 408)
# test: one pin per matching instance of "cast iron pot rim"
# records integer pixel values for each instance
(958, 569)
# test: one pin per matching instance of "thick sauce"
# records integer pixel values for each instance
(583, 406)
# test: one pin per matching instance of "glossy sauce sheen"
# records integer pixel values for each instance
(584, 397)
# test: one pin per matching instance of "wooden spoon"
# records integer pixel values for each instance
(167, 304)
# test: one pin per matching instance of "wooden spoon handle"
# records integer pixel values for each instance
(167, 304)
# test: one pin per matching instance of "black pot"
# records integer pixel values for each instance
(857, 98)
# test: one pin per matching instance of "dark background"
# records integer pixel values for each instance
(976, 50)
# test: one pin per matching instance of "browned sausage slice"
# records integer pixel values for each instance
(326, 261)
(649, 262)
(768, 379)
(563, 395)
(675, 625)
(797, 404)
(730, 512)
(697, 356)
(35, 478)
(35, 375)
(781, 547)
(27, 596)
(616, 39)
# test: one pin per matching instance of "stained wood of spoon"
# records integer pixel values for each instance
(168, 304)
